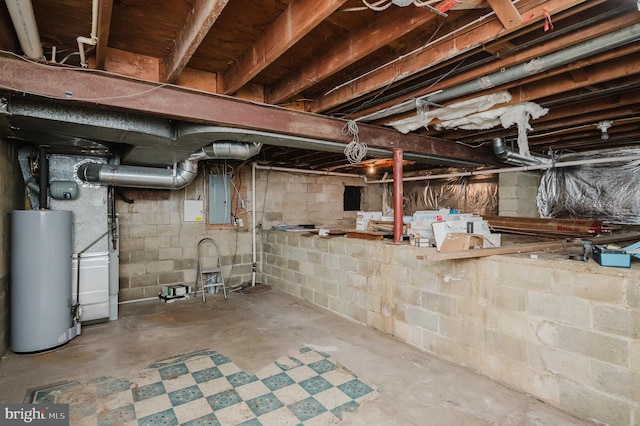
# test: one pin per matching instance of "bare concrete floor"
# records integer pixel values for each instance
(254, 330)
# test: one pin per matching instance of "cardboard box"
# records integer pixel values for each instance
(492, 240)
(363, 218)
(431, 215)
(461, 241)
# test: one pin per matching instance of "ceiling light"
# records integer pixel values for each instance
(603, 126)
(371, 170)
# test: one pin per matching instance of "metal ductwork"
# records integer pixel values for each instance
(227, 150)
(178, 177)
(507, 156)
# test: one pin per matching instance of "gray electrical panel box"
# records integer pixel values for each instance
(219, 199)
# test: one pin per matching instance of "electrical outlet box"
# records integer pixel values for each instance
(239, 222)
(193, 211)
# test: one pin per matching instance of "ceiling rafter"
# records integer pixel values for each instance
(196, 27)
(491, 30)
(298, 20)
(382, 30)
(507, 13)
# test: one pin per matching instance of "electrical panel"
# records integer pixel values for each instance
(219, 199)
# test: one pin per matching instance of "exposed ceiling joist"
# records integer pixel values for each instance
(105, 12)
(507, 13)
(444, 50)
(298, 19)
(522, 56)
(198, 24)
(338, 59)
(362, 42)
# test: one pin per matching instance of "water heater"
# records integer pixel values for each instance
(41, 307)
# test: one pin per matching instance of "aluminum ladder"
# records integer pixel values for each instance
(206, 276)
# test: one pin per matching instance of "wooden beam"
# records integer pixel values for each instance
(100, 89)
(294, 23)
(382, 30)
(132, 65)
(104, 28)
(197, 79)
(447, 49)
(507, 13)
(196, 27)
(527, 248)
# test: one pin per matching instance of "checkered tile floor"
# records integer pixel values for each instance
(206, 388)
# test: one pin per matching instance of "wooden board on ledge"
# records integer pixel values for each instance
(368, 235)
(530, 247)
(553, 227)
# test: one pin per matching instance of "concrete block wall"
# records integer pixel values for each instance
(561, 330)
(11, 198)
(157, 247)
(295, 199)
(517, 194)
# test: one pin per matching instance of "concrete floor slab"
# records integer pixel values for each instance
(255, 330)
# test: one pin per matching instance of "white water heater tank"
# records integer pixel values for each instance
(41, 311)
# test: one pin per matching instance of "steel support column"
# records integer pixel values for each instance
(397, 195)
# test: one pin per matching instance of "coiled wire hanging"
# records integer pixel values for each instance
(355, 151)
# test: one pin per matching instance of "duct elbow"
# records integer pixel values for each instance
(500, 149)
(507, 156)
(186, 173)
(139, 177)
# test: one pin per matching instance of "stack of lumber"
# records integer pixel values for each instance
(546, 227)
(529, 247)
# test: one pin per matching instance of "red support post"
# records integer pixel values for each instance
(397, 195)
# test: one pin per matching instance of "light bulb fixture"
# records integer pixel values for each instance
(371, 169)
(604, 126)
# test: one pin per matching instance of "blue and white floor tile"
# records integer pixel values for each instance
(207, 388)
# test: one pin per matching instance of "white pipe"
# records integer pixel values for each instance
(24, 22)
(309, 172)
(253, 224)
(93, 40)
(137, 300)
(517, 169)
(462, 174)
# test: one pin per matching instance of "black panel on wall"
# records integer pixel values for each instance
(352, 195)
